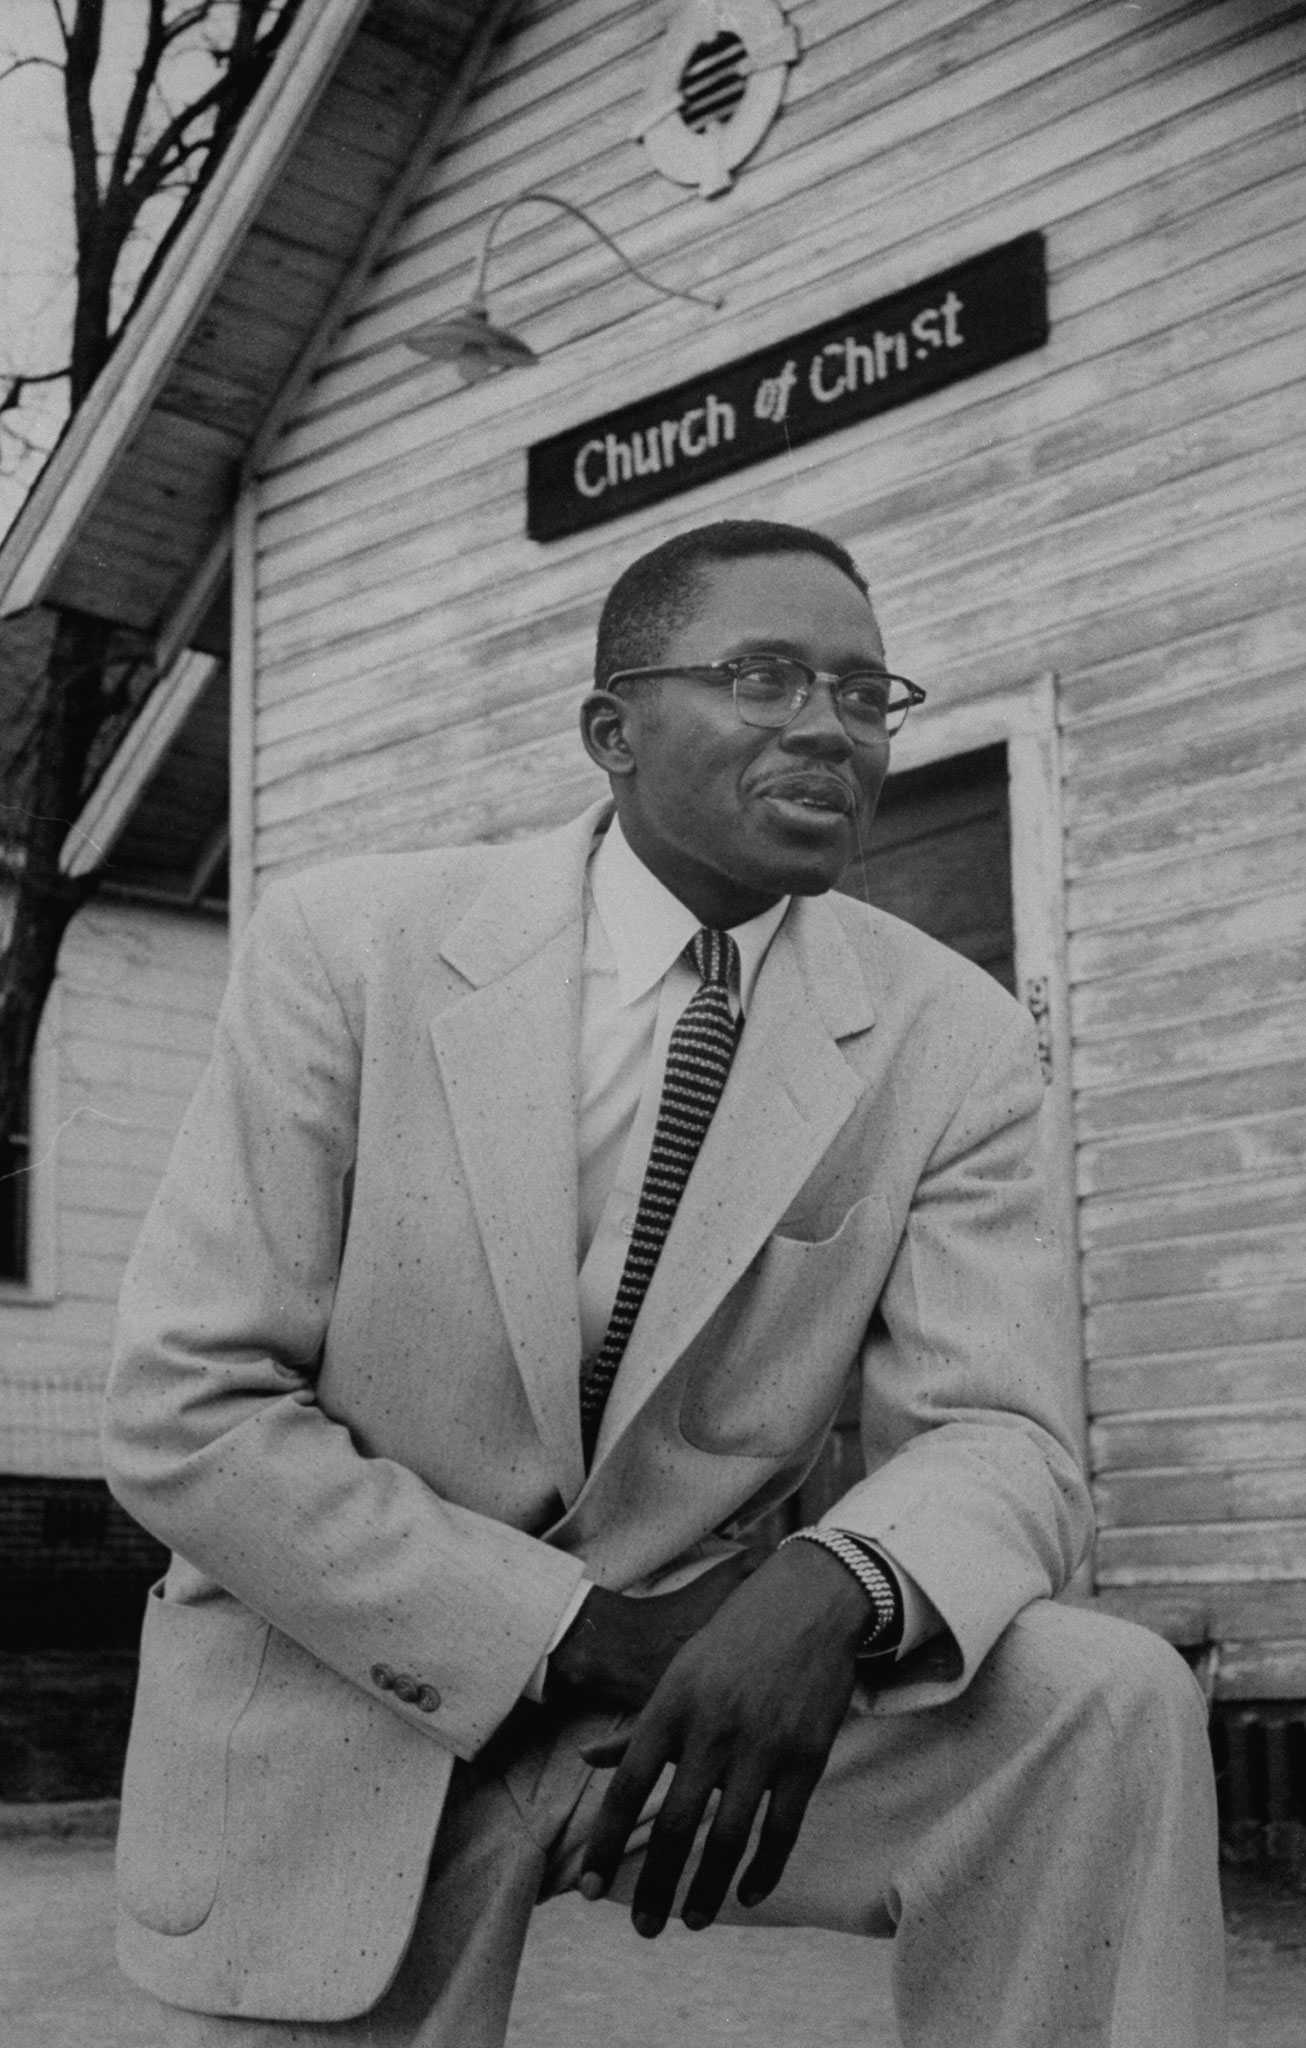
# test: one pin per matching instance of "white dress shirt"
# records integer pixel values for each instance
(634, 986)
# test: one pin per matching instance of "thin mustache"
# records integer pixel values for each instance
(806, 782)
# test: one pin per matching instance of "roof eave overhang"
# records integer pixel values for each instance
(77, 471)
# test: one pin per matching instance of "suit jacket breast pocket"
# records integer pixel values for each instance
(199, 1667)
(767, 1372)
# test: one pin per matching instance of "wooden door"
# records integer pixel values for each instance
(940, 857)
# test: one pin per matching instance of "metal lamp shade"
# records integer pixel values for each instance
(472, 344)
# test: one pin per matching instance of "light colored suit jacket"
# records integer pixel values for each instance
(345, 1388)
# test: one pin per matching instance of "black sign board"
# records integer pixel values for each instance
(864, 362)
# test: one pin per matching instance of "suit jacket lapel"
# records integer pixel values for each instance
(508, 1058)
(789, 1092)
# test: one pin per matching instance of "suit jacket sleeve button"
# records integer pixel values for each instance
(428, 1698)
(383, 1677)
(406, 1689)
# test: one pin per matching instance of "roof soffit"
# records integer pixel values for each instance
(146, 471)
(140, 489)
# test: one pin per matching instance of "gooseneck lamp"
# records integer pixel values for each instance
(478, 348)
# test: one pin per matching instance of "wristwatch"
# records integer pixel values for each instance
(875, 1579)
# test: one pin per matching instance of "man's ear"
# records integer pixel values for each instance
(603, 718)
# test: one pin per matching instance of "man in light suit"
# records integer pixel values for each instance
(452, 1432)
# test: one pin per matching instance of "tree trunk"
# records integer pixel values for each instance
(50, 787)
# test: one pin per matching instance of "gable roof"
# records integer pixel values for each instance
(129, 518)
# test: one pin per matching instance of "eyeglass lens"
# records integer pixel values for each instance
(770, 693)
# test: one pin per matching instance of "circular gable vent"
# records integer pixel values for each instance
(718, 80)
(714, 82)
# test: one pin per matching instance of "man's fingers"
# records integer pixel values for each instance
(606, 1752)
(618, 1816)
(784, 1817)
(726, 1842)
(668, 1849)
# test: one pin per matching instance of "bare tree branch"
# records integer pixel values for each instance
(64, 30)
(143, 84)
(153, 165)
(90, 318)
(19, 384)
(247, 60)
(190, 18)
(92, 675)
(25, 63)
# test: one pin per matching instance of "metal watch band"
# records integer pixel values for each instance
(871, 1576)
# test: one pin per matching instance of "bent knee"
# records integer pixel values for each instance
(1104, 1665)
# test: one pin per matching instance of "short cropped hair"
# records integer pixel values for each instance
(661, 591)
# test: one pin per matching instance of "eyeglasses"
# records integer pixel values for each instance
(771, 689)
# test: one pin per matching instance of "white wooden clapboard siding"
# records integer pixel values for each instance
(402, 600)
(135, 1000)
(1123, 509)
(913, 238)
(816, 235)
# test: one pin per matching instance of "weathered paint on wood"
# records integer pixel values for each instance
(1123, 511)
(132, 1019)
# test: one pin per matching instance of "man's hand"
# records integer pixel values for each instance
(747, 1710)
(617, 1649)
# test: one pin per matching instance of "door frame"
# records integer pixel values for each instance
(1024, 720)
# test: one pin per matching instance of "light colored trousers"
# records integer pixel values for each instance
(1042, 1850)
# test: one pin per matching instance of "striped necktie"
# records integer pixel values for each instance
(699, 1053)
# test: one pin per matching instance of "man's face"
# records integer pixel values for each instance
(730, 817)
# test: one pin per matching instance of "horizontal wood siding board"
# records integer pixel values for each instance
(1143, 1110)
(1223, 1610)
(1225, 738)
(1193, 1551)
(1170, 1495)
(505, 653)
(1268, 910)
(1199, 1264)
(1177, 907)
(503, 776)
(1187, 1209)
(1207, 1152)
(434, 761)
(1230, 814)
(1252, 1433)
(1268, 1670)
(532, 801)
(1214, 734)
(1259, 968)
(1262, 1034)
(1192, 1322)
(1227, 654)
(1263, 488)
(544, 27)
(1230, 1376)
